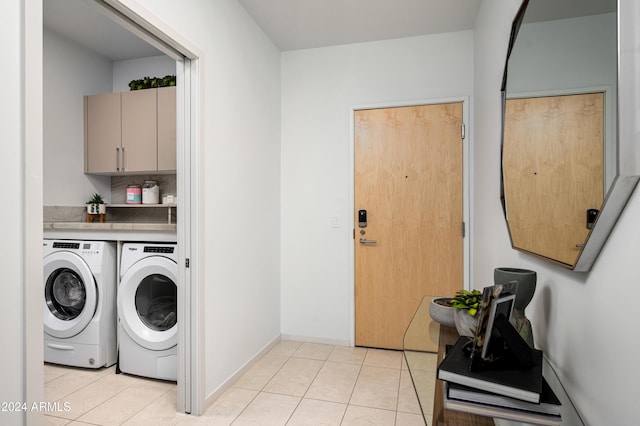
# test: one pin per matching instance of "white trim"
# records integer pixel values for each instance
(312, 339)
(191, 366)
(466, 181)
(32, 134)
(241, 371)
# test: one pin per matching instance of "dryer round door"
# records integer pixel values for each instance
(70, 294)
(147, 302)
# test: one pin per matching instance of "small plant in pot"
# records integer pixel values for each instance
(96, 205)
(441, 310)
(466, 304)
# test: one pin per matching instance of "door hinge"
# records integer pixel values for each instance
(186, 262)
(464, 229)
(463, 131)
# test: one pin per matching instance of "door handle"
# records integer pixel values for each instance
(365, 241)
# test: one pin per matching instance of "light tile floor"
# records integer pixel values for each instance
(293, 384)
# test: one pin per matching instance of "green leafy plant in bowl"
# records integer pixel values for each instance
(469, 300)
(466, 304)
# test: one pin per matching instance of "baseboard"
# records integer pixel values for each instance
(309, 339)
(210, 398)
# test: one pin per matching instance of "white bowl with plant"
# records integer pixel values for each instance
(466, 305)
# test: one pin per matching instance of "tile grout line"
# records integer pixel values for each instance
(355, 383)
(308, 387)
(261, 390)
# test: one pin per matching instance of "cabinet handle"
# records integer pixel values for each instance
(122, 168)
(118, 159)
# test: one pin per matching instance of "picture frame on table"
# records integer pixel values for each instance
(488, 342)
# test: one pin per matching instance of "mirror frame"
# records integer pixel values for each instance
(628, 119)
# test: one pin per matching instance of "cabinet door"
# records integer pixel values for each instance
(102, 133)
(139, 131)
(167, 128)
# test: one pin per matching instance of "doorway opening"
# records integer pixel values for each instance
(145, 26)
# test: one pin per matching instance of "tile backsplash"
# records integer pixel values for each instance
(167, 184)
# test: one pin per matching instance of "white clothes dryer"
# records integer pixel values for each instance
(79, 305)
(147, 310)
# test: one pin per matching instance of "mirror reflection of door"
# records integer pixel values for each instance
(408, 176)
(553, 171)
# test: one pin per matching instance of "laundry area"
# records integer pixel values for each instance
(110, 329)
(110, 202)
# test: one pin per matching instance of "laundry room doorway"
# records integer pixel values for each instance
(145, 26)
(140, 22)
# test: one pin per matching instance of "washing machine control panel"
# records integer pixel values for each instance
(159, 249)
(67, 245)
(90, 250)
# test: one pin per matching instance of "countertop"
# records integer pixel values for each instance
(110, 226)
(111, 231)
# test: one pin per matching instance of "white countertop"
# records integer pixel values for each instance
(111, 226)
(111, 231)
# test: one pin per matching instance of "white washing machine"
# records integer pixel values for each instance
(80, 282)
(147, 310)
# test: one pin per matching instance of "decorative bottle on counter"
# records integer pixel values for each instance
(134, 194)
(150, 192)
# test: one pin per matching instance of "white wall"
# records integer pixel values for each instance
(239, 270)
(21, 367)
(12, 362)
(70, 72)
(581, 320)
(319, 87)
(490, 239)
(136, 69)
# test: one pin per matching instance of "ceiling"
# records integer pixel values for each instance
(87, 24)
(290, 24)
(303, 24)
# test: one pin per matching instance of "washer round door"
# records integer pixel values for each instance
(70, 294)
(147, 302)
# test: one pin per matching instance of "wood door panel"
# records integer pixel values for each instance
(408, 176)
(553, 171)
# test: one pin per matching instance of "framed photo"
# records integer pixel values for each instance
(500, 306)
(488, 344)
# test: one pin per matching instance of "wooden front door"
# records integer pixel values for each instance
(408, 177)
(553, 171)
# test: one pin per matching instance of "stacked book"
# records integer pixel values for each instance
(504, 391)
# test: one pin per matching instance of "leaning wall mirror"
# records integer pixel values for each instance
(562, 189)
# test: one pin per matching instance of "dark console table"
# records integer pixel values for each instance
(424, 338)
